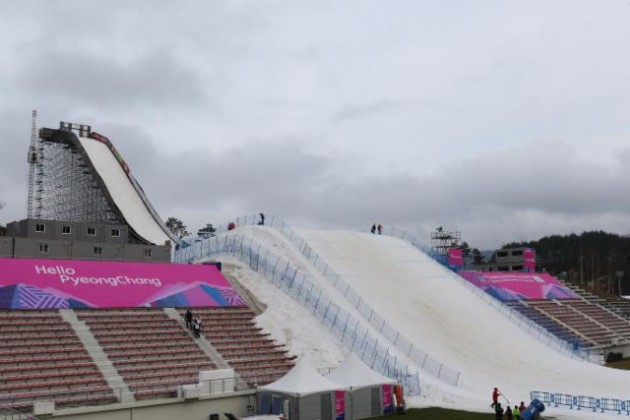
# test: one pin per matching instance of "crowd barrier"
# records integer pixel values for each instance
(579, 402)
(350, 331)
(423, 360)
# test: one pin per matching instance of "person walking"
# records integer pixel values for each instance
(373, 230)
(380, 229)
(197, 326)
(188, 317)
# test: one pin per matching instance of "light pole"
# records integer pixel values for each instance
(619, 275)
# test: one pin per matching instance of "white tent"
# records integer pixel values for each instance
(304, 394)
(354, 374)
(301, 381)
(371, 394)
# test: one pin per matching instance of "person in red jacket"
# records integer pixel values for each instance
(495, 397)
(522, 408)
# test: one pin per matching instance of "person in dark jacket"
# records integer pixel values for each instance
(498, 411)
(373, 230)
(188, 317)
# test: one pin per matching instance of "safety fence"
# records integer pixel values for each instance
(350, 331)
(423, 360)
(579, 402)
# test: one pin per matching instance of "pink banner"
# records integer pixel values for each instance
(388, 403)
(455, 258)
(518, 285)
(530, 260)
(340, 405)
(35, 284)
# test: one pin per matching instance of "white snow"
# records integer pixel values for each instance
(122, 191)
(428, 306)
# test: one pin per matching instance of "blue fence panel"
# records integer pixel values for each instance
(588, 402)
(610, 404)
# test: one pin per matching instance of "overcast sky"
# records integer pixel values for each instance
(506, 120)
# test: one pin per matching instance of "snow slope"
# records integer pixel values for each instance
(441, 316)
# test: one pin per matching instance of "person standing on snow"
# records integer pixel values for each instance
(516, 413)
(498, 411)
(495, 397)
(373, 230)
(380, 229)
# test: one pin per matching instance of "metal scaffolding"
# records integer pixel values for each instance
(64, 186)
(443, 240)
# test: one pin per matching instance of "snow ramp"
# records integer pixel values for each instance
(439, 314)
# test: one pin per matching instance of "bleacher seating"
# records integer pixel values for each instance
(254, 356)
(588, 323)
(41, 357)
(152, 352)
(550, 324)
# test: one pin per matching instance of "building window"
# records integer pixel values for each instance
(148, 253)
(98, 250)
(65, 230)
(40, 227)
(91, 231)
(115, 233)
(42, 248)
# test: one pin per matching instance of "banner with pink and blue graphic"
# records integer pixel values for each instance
(340, 405)
(387, 400)
(39, 284)
(455, 259)
(518, 285)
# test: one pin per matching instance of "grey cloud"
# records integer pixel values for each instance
(352, 112)
(153, 81)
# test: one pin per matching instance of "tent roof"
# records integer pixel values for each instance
(354, 373)
(302, 380)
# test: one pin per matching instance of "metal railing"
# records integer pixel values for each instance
(350, 331)
(579, 402)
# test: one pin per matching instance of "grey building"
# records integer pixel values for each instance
(50, 239)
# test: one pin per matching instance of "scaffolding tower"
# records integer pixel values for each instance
(63, 185)
(443, 240)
